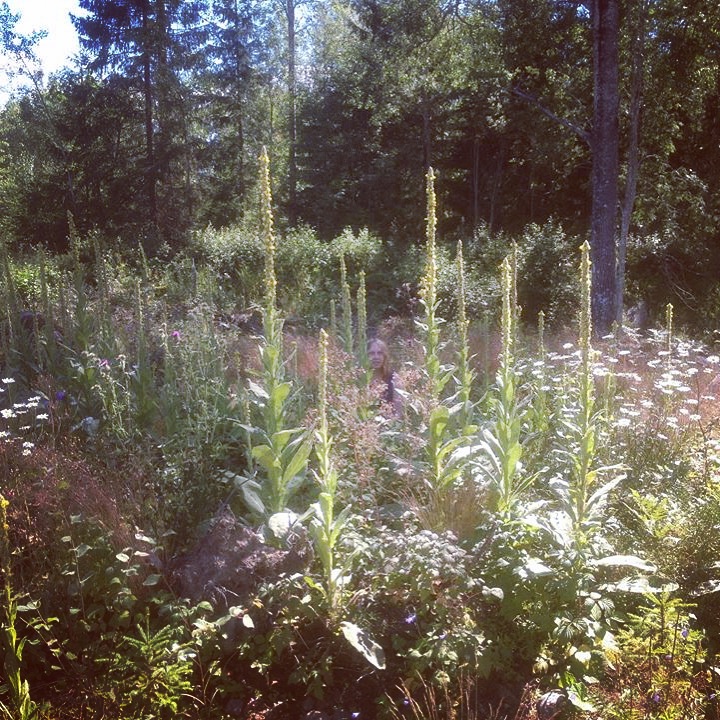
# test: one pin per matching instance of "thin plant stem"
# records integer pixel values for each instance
(346, 306)
(465, 372)
(361, 304)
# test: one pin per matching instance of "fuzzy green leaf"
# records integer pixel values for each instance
(364, 644)
(249, 490)
(281, 523)
(265, 456)
(280, 394)
(438, 422)
(298, 462)
(282, 437)
(257, 390)
(632, 561)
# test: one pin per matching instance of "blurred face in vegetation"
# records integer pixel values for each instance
(379, 357)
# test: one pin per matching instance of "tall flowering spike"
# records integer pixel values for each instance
(587, 387)
(429, 287)
(462, 314)
(361, 302)
(333, 318)
(585, 295)
(140, 315)
(74, 238)
(514, 293)
(343, 270)
(541, 334)
(464, 371)
(266, 220)
(429, 295)
(4, 530)
(5, 553)
(508, 319)
(669, 326)
(346, 307)
(322, 385)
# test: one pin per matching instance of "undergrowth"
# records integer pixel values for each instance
(541, 516)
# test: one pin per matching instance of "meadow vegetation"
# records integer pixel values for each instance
(206, 512)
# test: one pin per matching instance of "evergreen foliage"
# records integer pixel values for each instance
(153, 135)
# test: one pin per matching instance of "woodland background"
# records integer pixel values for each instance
(205, 509)
(153, 136)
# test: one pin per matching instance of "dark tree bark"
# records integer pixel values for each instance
(292, 119)
(150, 170)
(605, 149)
(637, 74)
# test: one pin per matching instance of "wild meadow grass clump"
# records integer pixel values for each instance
(539, 521)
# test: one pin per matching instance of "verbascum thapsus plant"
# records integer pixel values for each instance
(103, 290)
(326, 526)
(273, 333)
(346, 331)
(507, 318)
(333, 319)
(10, 327)
(585, 331)
(361, 304)
(582, 491)
(540, 403)
(142, 378)
(502, 438)
(584, 427)
(282, 452)
(585, 494)
(465, 373)
(438, 375)
(82, 319)
(445, 467)
(514, 296)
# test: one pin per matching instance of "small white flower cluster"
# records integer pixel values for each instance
(21, 418)
(651, 382)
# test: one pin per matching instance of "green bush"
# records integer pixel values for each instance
(547, 275)
(306, 267)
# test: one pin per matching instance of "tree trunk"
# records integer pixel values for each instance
(239, 108)
(496, 185)
(605, 144)
(150, 169)
(292, 120)
(633, 159)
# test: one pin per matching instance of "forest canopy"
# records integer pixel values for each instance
(153, 134)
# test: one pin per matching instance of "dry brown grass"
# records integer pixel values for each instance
(48, 485)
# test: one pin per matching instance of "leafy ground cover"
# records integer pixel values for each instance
(209, 514)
